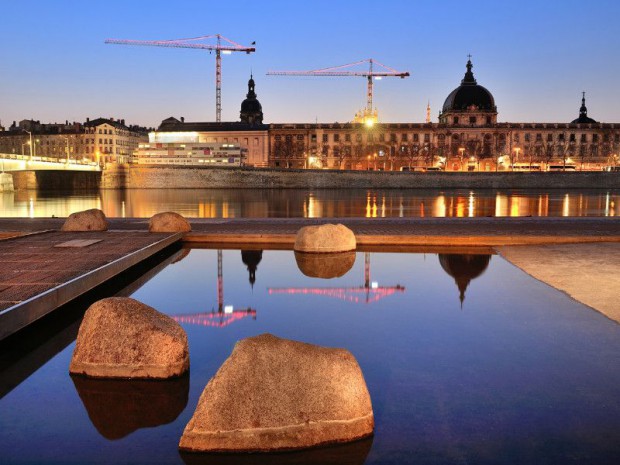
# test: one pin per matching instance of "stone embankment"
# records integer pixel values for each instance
(156, 177)
(178, 177)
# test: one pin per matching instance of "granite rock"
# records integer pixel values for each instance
(122, 338)
(275, 394)
(325, 238)
(87, 220)
(169, 222)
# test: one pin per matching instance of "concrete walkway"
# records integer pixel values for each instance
(41, 272)
(473, 232)
(589, 273)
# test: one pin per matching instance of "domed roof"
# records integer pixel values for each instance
(251, 109)
(469, 94)
(583, 113)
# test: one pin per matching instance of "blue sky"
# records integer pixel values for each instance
(534, 56)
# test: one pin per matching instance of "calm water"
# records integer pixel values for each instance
(277, 203)
(467, 359)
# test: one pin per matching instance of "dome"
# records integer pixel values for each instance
(251, 109)
(251, 106)
(469, 94)
(583, 113)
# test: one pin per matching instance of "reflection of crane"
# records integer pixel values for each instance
(354, 294)
(215, 319)
(227, 47)
(345, 70)
(225, 314)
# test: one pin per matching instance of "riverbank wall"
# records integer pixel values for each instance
(177, 177)
(158, 177)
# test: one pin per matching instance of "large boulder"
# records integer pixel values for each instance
(274, 394)
(118, 407)
(87, 220)
(325, 238)
(325, 265)
(169, 222)
(122, 338)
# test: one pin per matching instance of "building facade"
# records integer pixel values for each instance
(101, 140)
(467, 137)
(178, 138)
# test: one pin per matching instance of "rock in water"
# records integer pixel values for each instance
(325, 265)
(325, 238)
(87, 220)
(169, 222)
(123, 338)
(275, 394)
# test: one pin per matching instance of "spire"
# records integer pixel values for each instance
(469, 76)
(583, 111)
(428, 112)
(251, 94)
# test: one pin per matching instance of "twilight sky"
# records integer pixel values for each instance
(534, 56)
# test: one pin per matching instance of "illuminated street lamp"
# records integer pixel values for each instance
(368, 163)
(29, 143)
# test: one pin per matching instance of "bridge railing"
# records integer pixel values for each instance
(15, 162)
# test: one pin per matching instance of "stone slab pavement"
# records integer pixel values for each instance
(589, 273)
(475, 232)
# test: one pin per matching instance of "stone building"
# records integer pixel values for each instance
(110, 140)
(250, 134)
(467, 137)
(101, 140)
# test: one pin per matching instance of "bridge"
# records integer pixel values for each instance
(13, 162)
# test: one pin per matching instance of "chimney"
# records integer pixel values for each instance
(88, 120)
(182, 119)
(123, 122)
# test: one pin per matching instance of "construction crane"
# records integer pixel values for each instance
(375, 70)
(222, 45)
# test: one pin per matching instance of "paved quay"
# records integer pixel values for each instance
(42, 271)
(589, 273)
(375, 232)
(549, 249)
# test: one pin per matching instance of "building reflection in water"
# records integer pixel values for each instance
(251, 259)
(464, 268)
(120, 407)
(316, 203)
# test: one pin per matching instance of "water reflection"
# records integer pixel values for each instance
(321, 203)
(310, 265)
(120, 407)
(464, 268)
(216, 318)
(354, 453)
(251, 259)
(325, 265)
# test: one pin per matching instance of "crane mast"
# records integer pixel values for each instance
(345, 70)
(222, 45)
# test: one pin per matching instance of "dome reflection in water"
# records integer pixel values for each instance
(464, 268)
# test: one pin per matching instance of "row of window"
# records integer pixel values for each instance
(336, 138)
